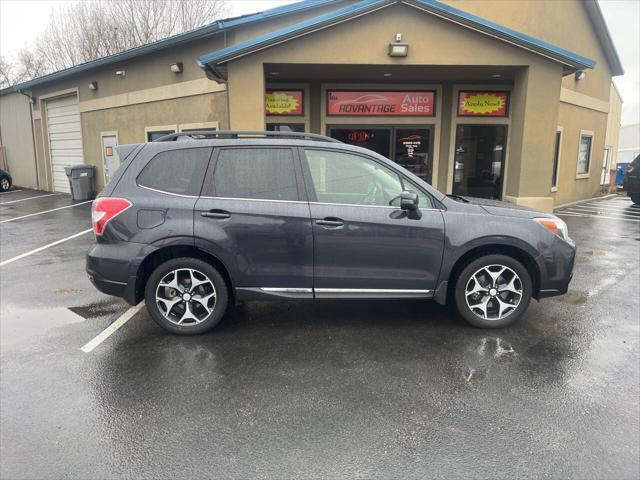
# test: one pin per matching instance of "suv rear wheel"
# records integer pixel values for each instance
(493, 291)
(186, 296)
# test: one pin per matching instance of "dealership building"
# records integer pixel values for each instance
(488, 98)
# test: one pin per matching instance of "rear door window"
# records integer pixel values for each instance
(179, 171)
(256, 173)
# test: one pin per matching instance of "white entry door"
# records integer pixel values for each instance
(65, 138)
(110, 159)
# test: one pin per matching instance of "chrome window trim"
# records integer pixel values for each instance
(165, 192)
(372, 206)
(253, 199)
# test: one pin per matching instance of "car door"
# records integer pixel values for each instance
(253, 215)
(364, 244)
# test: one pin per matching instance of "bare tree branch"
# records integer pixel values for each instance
(86, 30)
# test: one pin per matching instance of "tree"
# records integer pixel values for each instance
(86, 30)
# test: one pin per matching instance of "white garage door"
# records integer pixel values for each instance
(65, 138)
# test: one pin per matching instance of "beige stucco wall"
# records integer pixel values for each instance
(564, 23)
(17, 139)
(365, 41)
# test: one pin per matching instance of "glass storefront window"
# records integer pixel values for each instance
(409, 147)
(412, 151)
(285, 127)
(479, 160)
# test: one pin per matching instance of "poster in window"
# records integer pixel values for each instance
(284, 102)
(483, 104)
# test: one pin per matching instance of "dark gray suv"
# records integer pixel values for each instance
(193, 223)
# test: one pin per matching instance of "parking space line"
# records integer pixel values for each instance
(39, 249)
(596, 211)
(10, 191)
(621, 208)
(30, 198)
(45, 211)
(111, 329)
(592, 215)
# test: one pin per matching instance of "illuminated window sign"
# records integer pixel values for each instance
(284, 102)
(483, 104)
(382, 103)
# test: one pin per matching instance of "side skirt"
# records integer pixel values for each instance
(265, 293)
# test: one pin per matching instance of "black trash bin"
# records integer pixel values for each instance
(81, 181)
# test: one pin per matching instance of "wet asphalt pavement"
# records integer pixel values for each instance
(386, 389)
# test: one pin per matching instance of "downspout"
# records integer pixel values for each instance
(33, 136)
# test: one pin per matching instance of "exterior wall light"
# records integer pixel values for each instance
(93, 86)
(121, 73)
(580, 74)
(397, 48)
(176, 67)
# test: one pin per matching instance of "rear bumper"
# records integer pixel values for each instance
(112, 268)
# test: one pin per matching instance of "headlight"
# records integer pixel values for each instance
(555, 226)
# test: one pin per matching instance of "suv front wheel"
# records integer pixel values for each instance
(186, 296)
(493, 291)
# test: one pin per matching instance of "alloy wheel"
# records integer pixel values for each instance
(4, 183)
(186, 296)
(494, 292)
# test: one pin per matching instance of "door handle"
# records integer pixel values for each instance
(220, 214)
(330, 222)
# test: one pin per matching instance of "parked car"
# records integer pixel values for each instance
(194, 226)
(631, 181)
(5, 181)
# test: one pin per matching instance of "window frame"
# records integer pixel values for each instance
(311, 190)
(181, 147)
(208, 188)
(559, 130)
(587, 174)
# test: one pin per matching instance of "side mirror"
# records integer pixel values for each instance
(409, 201)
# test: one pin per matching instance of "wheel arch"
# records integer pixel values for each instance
(161, 255)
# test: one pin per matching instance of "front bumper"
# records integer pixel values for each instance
(558, 262)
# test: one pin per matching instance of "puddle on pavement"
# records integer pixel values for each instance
(573, 298)
(101, 309)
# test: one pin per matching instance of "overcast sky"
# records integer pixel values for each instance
(22, 20)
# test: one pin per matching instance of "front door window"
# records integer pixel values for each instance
(479, 160)
(409, 147)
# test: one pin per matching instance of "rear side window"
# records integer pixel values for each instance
(259, 173)
(176, 171)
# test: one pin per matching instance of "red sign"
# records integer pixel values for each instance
(483, 104)
(284, 102)
(390, 103)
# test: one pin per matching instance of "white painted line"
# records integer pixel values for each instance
(595, 215)
(45, 211)
(628, 209)
(30, 198)
(597, 211)
(10, 191)
(111, 329)
(39, 249)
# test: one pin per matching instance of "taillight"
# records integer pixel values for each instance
(104, 209)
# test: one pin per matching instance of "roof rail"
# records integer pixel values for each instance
(208, 134)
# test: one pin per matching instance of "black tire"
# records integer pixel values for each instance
(493, 320)
(635, 198)
(208, 321)
(5, 183)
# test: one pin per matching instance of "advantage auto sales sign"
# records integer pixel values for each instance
(380, 103)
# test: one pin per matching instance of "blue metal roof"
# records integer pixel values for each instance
(205, 31)
(311, 24)
(435, 7)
